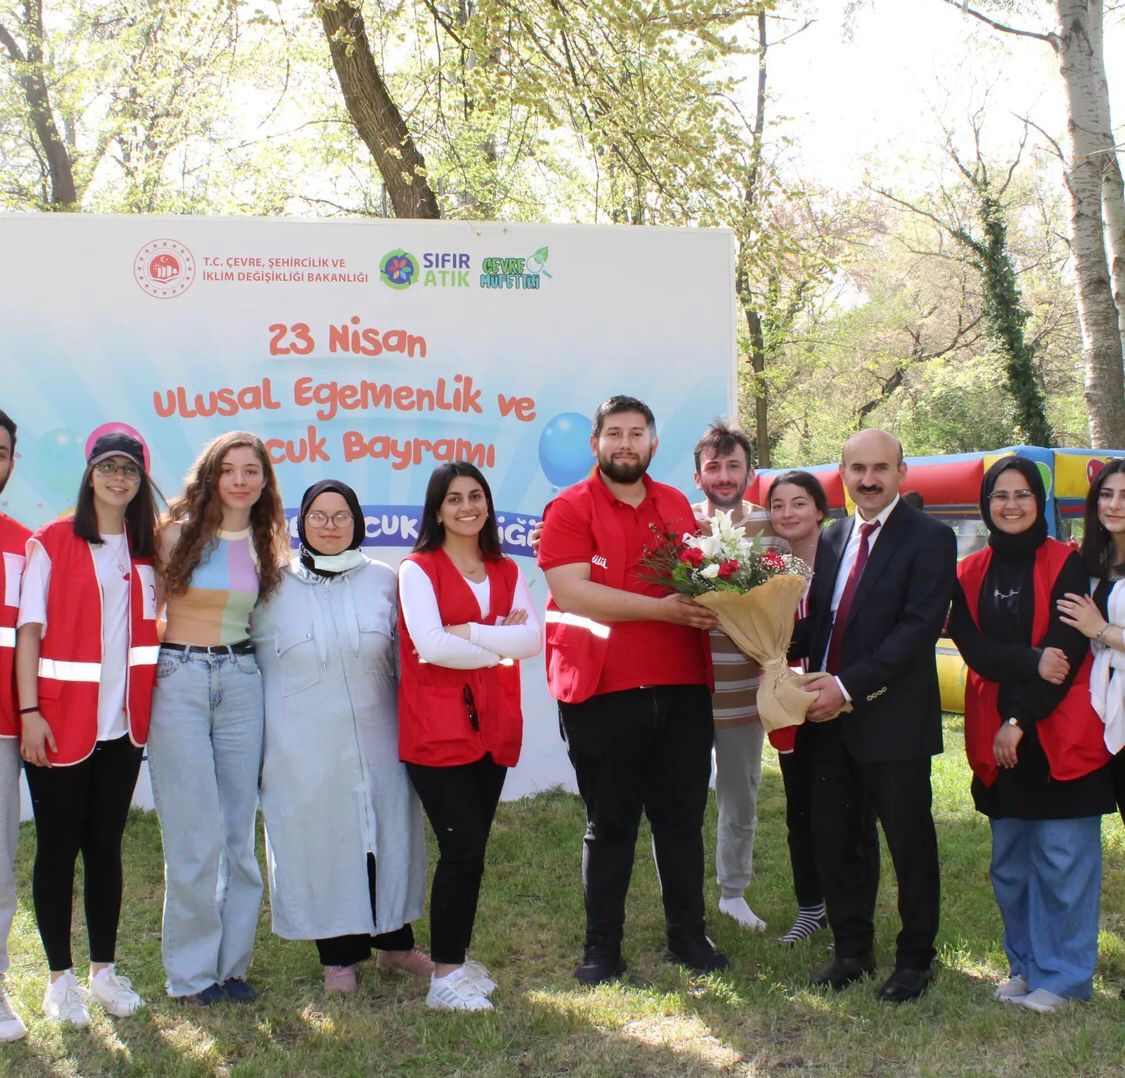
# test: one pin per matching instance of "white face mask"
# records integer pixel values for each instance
(338, 563)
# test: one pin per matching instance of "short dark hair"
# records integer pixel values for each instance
(9, 425)
(1097, 543)
(617, 405)
(719, 439)
(807, 482)
(141, 515)
(430, 535)
(914, 499)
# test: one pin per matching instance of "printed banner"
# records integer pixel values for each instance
(365, 351)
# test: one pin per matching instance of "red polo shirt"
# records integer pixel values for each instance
(638, 652)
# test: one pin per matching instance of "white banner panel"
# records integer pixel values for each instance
(365, 351)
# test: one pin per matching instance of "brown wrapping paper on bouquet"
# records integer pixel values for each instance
(760, 622)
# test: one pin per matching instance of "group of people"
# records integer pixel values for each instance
(347, 703)
(1038, 622)
(313, 684)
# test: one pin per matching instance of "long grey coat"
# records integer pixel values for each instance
(333, 788)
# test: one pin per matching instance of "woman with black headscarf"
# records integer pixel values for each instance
(340, 811)
(1034, 742)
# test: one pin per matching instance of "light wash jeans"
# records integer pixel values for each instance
(9, 837)
(204, 757)
(738, 774)
(1047, 877)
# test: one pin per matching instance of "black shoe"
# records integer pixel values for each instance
(239, 991)
(600, 964)
(841, 972)
(210, 995)
(904, 985)
(698, 953)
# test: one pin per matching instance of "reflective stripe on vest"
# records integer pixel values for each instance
(144, 656)
(577, 622)
(60, 670)
(7, 638)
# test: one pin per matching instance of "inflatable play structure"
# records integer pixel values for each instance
(950, 486)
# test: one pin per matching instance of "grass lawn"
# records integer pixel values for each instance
(759, 1017)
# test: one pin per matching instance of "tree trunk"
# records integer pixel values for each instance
(754, 316)
(1113, 209)
(1087, 96)
(33, 83)
(375, 115)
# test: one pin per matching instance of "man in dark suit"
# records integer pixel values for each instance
(881, 590)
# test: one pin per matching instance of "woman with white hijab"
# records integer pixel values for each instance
(339, 809)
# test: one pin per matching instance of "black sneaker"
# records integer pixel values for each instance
(600, 964)
(697, 953)
(209, 996)
(239, 991)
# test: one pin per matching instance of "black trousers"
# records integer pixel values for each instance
(348, 950)
(642, 750)
(1117, 770)
(460, 803)
(848, 796)
(797, 780)
(81, 808)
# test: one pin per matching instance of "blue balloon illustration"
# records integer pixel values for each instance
(564, 449)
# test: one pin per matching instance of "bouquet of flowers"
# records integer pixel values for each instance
(754, 591)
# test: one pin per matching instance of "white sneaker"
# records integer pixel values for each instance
(1042, 1001)
(11, 1024)
(456, 991)
(1012, 990)
(742, 913)
(115, 993)
(65, 1001)
(479, 975)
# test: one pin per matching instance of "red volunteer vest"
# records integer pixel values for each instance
(575, 646)
(1072, 736)
(70, 655)
(13, 544)
(434, 727)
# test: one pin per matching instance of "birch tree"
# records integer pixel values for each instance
(1096, 200)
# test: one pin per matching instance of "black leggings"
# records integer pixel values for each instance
(348, 950)
(460, 803)
(82, 807)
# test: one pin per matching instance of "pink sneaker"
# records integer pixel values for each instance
(414, 961)
(340, 979)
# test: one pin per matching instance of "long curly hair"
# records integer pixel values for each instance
(199, 512)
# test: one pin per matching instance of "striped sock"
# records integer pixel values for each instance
(810, 919)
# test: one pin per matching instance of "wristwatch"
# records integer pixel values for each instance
(1013, 722)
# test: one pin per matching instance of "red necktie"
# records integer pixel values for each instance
(836, 641)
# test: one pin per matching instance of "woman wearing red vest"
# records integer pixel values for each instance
(85, 665)
(465, 616)
(1034, 742)
(1101, 617)
(798, 507)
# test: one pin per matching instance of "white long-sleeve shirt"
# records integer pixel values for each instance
(487, 645)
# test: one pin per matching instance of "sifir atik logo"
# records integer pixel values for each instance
(400, 269)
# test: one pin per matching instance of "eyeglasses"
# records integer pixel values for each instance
(318, 519)
(129, 472)
(1003, 496)
(471, 708)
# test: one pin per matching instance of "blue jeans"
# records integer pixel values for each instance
(9, 837)
(205, 755)
(1047, 877)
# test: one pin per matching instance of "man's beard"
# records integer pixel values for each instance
(725, 501)
(624, 471)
